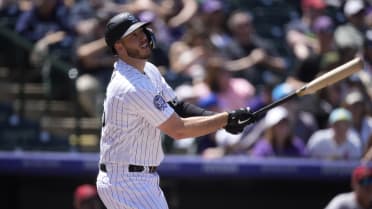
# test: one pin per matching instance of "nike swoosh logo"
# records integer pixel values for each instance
(243, 121)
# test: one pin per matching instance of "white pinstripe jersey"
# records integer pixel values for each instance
(135, 105)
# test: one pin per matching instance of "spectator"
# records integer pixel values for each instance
(323, 103)
(299, 32)
(324, 57)
(361, 195)
(303, 124)
(46, 26)
(45, 17)
(187, 55)
(349, 36)
(94, 61)
(213, 16)
(252, 57)
(278, 140)
(173, 13)
(339, 142)
(86, 197)
(230, 92)
(361, 121)
(83, 14)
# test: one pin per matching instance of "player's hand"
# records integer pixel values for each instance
(234, 129)
(239, 119)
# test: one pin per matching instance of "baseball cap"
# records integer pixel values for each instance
(275, 115)
(84, 192)
(362, 175)
(316, 4)
(120, 26)
(339, 114)
(353, 7)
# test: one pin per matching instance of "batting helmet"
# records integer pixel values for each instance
(123, 24)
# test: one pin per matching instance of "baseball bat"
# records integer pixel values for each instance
(318, 83)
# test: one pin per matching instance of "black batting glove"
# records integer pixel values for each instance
(238, 120)
(234, 129)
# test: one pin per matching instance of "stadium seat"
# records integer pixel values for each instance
(17, 132)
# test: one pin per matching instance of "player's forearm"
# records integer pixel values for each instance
(199, 126)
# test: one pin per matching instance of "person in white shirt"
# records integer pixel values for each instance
(362, 122)
(339, 142)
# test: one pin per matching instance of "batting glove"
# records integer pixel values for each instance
(238, 120)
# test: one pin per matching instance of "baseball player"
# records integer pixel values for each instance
(139, 105)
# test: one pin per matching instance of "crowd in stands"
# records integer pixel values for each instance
(223, 55)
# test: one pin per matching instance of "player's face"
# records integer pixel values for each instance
(137, 45)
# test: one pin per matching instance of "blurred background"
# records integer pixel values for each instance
(220, 55)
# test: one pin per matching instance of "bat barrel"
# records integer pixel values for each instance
(322, 81)
(332, 76)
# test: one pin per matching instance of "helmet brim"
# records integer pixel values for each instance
(134, 27)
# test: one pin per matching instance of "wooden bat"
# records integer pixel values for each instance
(318, 83)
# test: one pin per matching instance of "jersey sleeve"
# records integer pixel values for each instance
(150, 105)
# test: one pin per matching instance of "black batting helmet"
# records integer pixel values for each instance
(121, 25)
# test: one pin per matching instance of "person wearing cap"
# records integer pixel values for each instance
(349, 36)
(339, 141)
(361, 121)
(278, 139)
(361, 195)
(304, 121)
(86, 197)
(139, 107)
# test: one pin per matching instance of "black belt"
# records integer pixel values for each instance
(132, 168)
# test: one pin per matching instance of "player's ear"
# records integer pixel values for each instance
(118, 47)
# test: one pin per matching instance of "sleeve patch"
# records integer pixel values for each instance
(160, 103)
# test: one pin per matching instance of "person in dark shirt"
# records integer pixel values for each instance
(47, 27)
(251, 56)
